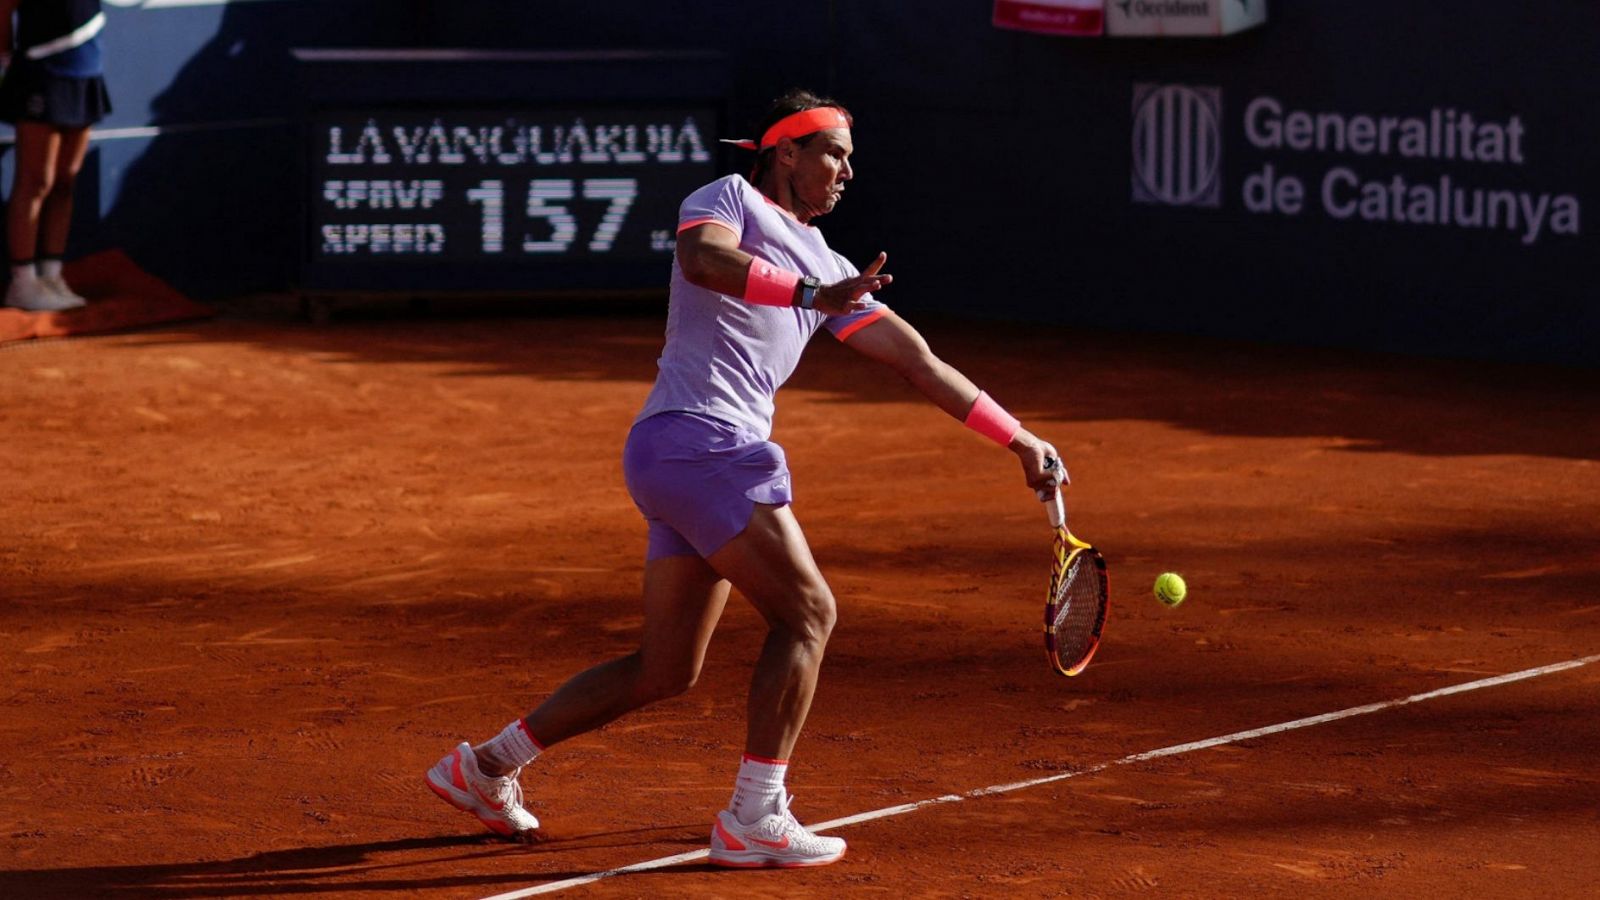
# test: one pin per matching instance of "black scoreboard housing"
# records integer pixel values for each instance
(430, 172)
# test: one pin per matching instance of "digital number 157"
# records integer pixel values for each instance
(547, 200)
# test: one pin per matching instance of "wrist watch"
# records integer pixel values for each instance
(809, 285)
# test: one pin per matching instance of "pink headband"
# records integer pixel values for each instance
(797, 125)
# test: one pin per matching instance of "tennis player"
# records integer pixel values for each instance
(752, 281)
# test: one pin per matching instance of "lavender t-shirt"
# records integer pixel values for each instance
(726, 358)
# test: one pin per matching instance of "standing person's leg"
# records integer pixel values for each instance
(55, 212)
(771, 564)
(38, 146)
(683, 599)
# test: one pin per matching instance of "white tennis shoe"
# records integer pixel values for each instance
(776, 840)
(57, 285)
(497, 802)
(35, 296)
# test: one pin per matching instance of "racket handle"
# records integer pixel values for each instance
(1054, 508)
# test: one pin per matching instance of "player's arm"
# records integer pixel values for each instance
(892, 341)
(710, 257)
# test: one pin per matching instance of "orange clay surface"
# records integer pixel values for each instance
(257, 576)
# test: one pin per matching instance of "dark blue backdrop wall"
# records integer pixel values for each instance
(1391, 176)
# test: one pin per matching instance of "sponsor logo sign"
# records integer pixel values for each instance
(1177, 145)
(1442, 167)
(1182, 18)
(1083, 18)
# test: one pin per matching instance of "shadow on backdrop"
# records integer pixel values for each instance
(208, 202)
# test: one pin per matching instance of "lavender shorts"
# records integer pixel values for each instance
(697, 479)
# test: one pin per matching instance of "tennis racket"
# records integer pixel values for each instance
(1080, 592)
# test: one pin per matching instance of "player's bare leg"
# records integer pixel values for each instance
(771, 564)
(683, 599)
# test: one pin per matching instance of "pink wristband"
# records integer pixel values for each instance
(990, 420)
(768, 285)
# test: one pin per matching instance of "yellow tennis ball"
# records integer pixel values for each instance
(1170, 588)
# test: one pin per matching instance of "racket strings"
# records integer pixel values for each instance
(1079, 598)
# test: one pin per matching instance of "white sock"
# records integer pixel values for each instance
(49, 268)
(758, 788)
(513, 748)
(23, 273)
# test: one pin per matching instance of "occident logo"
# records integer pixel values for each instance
(1177, 145)
(1173, 8)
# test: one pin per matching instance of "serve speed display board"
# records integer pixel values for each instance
(443, 171)
(504, 188)
(465, 186)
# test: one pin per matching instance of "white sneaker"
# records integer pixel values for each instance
(58, 286)
(776, 840)
(497, 802)
(34, 296)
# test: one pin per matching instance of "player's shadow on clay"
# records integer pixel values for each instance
(377, 866)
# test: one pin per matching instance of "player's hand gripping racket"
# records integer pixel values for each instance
(1080, 592)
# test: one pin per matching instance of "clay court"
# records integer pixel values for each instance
(258, 575)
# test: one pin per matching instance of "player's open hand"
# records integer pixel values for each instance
(844, 297)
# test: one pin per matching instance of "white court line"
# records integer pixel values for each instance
(1174, 750)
